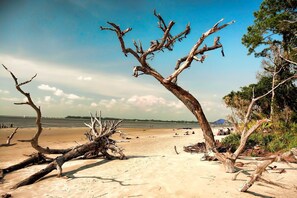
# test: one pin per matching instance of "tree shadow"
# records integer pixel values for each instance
(7, 145)
(105, 179)
(258, 194)
(87, 166)
(70, 174)
(142, 156)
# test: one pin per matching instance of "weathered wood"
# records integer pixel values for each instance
(166, 42)
(9, 138)
(33, 159)
(99, 144)
(228, 160)
(257, 174)
(175, 149)
(35, 139)
(58, 162)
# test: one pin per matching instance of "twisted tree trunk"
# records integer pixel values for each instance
(167, 41)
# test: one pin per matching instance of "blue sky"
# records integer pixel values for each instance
(81, 69)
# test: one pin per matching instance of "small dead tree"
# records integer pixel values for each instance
(9, 138)
(100, 144)
(167, 41)
(228, 159)
(34, 140)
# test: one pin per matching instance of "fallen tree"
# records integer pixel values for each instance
(261, 167)
(99, 143)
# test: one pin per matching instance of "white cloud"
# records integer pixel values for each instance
(93, 104)
(119, 86)
(46, 87)
(146, 102)
(88, 78)
(48, 99)
(60, 93)
(4, 91)
(119, 90)
(10, 99)
(74, 97)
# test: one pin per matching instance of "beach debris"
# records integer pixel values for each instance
(239, 164)
(6, 195)
(9, 138)
(261, 167)
(208, 156)
(200, 147)
(175, 150)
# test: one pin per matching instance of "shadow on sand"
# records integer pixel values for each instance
(70, 174)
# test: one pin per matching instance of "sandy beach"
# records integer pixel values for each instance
(153, 169)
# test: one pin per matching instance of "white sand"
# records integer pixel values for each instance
(152, 170)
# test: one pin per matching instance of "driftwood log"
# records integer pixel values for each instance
(261, 167)
(99, 143)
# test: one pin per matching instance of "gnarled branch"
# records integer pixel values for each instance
(9, 138)
(194, 51)
(34, 140)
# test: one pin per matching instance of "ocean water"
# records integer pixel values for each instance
(27, 122)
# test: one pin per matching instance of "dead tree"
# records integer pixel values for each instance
(34, 140)
(228, 159)
(261, 167)
(99, 136)
(167, 41)
(9, 138)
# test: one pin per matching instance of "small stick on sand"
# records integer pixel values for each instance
(176, 150)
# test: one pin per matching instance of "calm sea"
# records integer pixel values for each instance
(26, 122)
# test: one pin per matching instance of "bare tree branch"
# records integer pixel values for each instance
(247, 116)
(120, 35)
(166, 42)
(257, 174)
(34, 140)
(193, 52)
(9, 138)
(289, 61)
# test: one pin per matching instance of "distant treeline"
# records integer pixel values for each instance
(132, 120)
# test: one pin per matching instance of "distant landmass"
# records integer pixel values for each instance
(217, 122)
(133, 120)
(221, 122)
